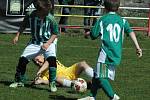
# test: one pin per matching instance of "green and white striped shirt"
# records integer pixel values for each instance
(41, 29)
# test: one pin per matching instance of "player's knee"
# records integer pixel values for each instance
(82, 64)
(52, 61)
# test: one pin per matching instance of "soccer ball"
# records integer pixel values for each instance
(80, 85)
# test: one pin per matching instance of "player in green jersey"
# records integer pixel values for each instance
(44, 33)
(111, 28)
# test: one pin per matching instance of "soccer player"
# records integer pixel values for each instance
(65, 75)
(44, 33)
(111, 28)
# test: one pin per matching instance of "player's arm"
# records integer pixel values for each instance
(130, 32)
(138, 49)
(21, 29)
(95, 32)
(43, 68)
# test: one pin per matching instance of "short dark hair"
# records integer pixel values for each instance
(112, 5)
(43, 4)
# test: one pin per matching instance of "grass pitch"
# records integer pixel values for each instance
(132, 76)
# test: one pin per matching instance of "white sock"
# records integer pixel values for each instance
(89, 71)
(67, 82)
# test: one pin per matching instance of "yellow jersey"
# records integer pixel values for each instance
(63, 72)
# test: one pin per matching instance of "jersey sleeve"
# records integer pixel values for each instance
(127, 28)
(54, 26)
(95, 32)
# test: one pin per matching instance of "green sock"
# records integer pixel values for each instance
(106, 86)
(52, 74)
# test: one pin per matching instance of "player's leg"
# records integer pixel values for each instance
(20, 71)
(28, 53)
(83, 66)
(52, 72)
(50, 56)
(103, 72)
(106, 86)
(94, 87)
(100, 81)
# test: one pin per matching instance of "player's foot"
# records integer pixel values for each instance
(116, 97)
(87, 98)
(16, 84)
(53, 87)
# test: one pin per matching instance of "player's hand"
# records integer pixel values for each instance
(139, 52)
(37, 77)
(45, 46)
(87, 34)
(15, 40)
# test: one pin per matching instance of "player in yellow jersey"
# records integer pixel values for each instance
(65, 75)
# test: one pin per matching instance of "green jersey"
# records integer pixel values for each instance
(41, 29)
(111, 27)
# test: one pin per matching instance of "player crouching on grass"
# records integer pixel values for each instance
(65, 76)
(44, 32)
(111, 28)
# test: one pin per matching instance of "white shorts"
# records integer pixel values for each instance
(105, 71)
(32, 50)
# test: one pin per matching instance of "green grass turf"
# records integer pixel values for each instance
(132, 75)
